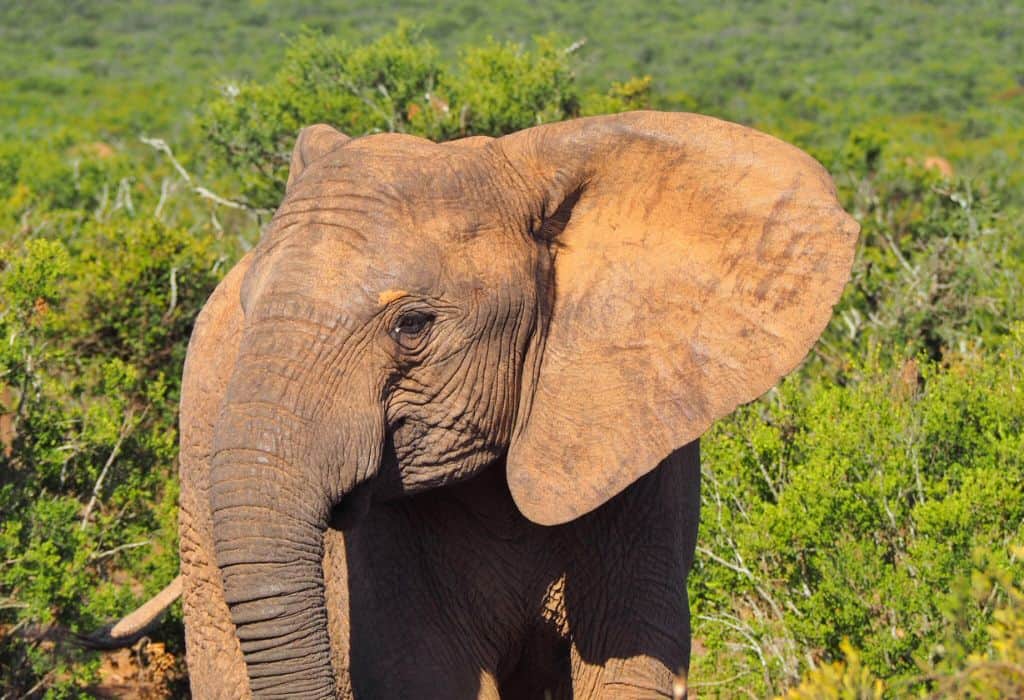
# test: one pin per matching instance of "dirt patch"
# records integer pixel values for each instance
(147, 671)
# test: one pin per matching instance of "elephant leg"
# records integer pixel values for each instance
(544, 667)
(637, 678)
(213, 654)
(400, 633)
(442, 595)
(625, 590)
(634, 653)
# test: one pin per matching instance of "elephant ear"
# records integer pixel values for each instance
(313, 143)
(695, 263)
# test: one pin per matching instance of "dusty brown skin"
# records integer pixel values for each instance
(439, 427)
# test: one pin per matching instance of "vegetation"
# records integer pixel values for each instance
(861, 525)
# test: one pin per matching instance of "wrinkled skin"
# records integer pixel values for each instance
(439, 427)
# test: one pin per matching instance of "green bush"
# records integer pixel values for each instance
(397, 83)
(940, 259)
(994, 670)
(96, 307)
(848, 512)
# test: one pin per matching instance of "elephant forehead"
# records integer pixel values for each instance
(354, 271)
(401, 207)
(374, 227)
(403, 178)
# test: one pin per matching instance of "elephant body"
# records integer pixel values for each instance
(497, 606)
(453, 593)
(439, 428)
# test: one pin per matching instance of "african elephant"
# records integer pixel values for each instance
(439, 427)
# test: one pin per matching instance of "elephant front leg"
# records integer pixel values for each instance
(635, 646)
(397, 633)
(625, 588)
(599, 675)
(213, 654)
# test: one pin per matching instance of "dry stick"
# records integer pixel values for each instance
(126, 429)
(741, 568)
(111, 552)
(45, 680)
(724, 681)
(174, 294)
(734, 623)
(161, 145)
(203, 192)
(165, 188)
(576, 46)
(899, 256)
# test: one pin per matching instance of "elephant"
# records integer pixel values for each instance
(440, 426)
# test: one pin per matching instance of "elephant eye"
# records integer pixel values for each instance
(410, 326)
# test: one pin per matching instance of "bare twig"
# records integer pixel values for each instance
(745, 631)
(123, 198)
(723, 681)
(576, 45)
(741, 568)
(161, 145)
(704, 551)
(165, 189)
(173, 303)
(99, 556)
(72, 449)
(216, 223)
(899, 256)
(126, 428)
(203, 192)
(45, 680)
(101, 208)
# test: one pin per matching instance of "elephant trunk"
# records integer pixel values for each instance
(275, 478)
(269, 541)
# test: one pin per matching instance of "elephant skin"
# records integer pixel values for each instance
(439, 427)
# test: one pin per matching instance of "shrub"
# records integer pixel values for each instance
(940, 260)
(836, 513)
(993, 670)
(397, 83)
(96, 307)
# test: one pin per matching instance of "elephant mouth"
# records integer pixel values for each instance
(385, 485)
(352, 507)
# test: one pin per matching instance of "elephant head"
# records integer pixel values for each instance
(571, 302)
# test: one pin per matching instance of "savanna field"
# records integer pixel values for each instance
(862, 525)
